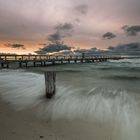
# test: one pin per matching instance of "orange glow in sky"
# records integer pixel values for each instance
(80, 24)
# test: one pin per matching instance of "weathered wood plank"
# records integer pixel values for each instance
(50, 80)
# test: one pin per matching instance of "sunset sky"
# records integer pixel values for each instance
(85, 23)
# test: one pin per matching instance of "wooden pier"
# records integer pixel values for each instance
(20, 61)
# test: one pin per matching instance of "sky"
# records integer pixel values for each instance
(25, 25)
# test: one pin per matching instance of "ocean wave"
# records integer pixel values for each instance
(122, 77)
(116, 110)
(126, 62)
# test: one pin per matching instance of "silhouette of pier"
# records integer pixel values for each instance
(20, 61)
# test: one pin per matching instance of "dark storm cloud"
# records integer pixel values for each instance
(131, 30)
(53, 48)
(64, 27)
(15, 46)
(55, 37)
(130, 48)
(89, 52)
(82, 9)
(108, 35)
(62, 31)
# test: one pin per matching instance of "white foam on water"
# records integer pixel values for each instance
(21, 89)
(116, 110)
(127, 62)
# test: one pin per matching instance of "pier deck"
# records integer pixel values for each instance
(6, 61)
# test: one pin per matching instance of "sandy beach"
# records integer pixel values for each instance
(23, 125)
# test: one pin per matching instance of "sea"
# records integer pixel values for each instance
(97, 101)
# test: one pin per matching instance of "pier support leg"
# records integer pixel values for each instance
(20, 64)
(2, 65)
(68, 60)
(50, 78)
(61, 61)
(53, 62)
(41, 63)
(34, 64)
(26, 64)
(44, 63)
(7, 65)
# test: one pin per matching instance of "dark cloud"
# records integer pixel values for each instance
(131, 30)
(108, 35)
(55, 37)
(131, 48)
(53, 48)
(82, 9)
(91, 51)
(8, 53)
(127, 49)
(15, 46)
(62, 31)
(64, 27)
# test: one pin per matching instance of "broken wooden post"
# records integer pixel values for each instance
(50, 78)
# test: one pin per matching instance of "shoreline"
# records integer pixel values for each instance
(23, 125)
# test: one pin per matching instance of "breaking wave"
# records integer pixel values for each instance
(123, 77)
(126, 62)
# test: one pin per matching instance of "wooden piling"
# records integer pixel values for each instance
(34, 64)
(44, 63)
(26, 64)
(7, 65)
(50, 78)
(68, 60)
(20, 64)
(75, 61)
(2, 64)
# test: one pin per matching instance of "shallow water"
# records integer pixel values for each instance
(102, 96)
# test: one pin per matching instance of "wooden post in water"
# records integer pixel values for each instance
(50, 78)
(34, 64)
(2, 64)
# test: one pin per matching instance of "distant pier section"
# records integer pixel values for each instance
(23, 61)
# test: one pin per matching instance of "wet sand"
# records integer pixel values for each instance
(23, 125)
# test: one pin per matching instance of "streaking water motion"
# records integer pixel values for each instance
(111, 109)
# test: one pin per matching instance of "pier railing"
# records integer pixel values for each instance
(49, 57)
(43, 60)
